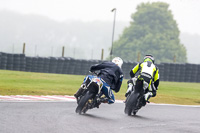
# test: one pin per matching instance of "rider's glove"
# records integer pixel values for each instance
(90, 71)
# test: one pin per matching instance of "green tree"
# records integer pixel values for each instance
(152, 31)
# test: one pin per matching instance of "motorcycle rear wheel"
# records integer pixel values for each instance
(131, 103)
(82, 105)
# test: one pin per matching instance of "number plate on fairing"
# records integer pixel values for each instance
(98, 81)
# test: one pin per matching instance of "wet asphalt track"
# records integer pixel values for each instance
(59, 117)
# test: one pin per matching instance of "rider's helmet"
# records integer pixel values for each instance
(118, 61)
(149, 57)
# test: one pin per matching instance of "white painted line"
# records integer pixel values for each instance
(63, 98)
(11, 98)
(60, 98)
(35, 97)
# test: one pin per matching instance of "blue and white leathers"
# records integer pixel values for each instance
(105, 89)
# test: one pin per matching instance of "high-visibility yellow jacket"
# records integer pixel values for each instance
(147, 69)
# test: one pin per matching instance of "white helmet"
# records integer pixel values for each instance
(118, 61)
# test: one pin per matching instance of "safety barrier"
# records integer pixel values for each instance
(65, 65)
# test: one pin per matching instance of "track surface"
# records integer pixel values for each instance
(60, 117)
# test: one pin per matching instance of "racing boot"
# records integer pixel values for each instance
(148, 95)
(104, 100)
(101, 100)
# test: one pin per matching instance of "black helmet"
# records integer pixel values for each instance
(149, 57)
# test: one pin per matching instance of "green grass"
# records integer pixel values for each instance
(28, 83)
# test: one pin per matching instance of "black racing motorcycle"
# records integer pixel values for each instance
(91, 96)
(136, 99)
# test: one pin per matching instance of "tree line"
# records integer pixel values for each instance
(152, 30)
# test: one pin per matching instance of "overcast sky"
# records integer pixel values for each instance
(186, 12)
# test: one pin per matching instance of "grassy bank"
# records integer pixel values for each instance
(27, 83)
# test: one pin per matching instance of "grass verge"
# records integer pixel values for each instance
(29, 83)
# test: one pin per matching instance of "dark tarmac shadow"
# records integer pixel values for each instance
(139, 117)
(94, 116)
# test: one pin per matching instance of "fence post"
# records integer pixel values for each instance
(24, 46)
(174, 58)
(63, 51)
(102, 52)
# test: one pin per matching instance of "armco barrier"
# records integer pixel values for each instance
(65, 65)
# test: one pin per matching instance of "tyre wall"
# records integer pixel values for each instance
(64, 65)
